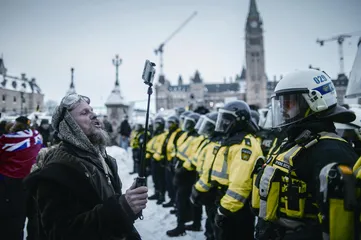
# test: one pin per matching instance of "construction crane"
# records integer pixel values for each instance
(340, 39)
(160, 49)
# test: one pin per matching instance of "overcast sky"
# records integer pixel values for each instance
(45, 38)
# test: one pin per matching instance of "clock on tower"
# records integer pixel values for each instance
(254, 24)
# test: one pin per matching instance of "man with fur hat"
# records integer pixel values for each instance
(78, 190)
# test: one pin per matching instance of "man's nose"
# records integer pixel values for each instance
(93, 116)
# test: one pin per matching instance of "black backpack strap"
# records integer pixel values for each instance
(176, 139)
(165, 143)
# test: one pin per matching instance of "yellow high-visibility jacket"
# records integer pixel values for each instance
(169, 141)
(132, 136)
(209, 151)
(189, 161)
(139, 138)
(152, 145)
(181, 139)
(135, 142)
(200, 156)
(233, 169)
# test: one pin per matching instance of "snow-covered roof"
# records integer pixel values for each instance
(17, 83)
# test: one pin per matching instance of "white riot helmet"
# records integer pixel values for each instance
(306, 93)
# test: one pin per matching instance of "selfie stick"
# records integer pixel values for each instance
(148, 75)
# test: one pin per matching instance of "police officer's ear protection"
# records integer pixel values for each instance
(242, 115)
(315, 101)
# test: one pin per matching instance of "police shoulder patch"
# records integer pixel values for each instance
(247, 141)
(245, 154)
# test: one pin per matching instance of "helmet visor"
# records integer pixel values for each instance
(268, 122)
(224, 120)
(199, 123)
(158, 126)
(188, 124)
(207, 127)
(288, 109)
(171, 125)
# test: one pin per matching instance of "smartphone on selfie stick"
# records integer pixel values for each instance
(148, 77)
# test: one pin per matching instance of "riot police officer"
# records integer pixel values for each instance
(305, 105)
(157, 168)
(231, 172)
(203, 161)
(184, 179)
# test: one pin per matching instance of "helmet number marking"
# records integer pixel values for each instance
(320, 79)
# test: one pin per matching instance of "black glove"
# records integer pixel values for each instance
(220, 219)
(195, 197)
(180, 171)
(170, 167)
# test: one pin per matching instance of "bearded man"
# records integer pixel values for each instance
(77, 190)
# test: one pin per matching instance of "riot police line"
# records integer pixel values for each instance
(294, 177)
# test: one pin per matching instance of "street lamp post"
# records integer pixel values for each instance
(116, 62)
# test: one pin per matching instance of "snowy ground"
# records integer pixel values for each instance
(157, 220)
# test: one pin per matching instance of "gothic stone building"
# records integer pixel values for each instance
(197, 92)
(19, 95)
(252, 85)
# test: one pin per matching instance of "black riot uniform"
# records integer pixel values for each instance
(288, 185)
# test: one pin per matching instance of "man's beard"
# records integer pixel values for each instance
(99, 137)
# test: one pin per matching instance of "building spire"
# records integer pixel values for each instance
(2, 67)
(253, 11)
(72, 86)
(243, 73)
(254, 21)
(72, 78)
